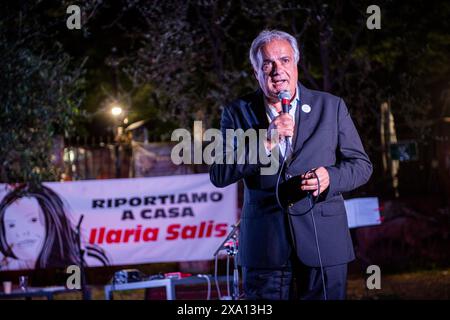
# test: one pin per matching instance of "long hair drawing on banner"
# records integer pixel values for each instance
(36, 231)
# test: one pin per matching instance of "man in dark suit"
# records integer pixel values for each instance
(288, 250)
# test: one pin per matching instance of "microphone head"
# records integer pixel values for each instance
(285, 98)
(284, 95)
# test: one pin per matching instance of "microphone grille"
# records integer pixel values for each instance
(284, 95)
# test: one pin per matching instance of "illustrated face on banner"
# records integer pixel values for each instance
(25, 228)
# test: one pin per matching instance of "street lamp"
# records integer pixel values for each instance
(118, 112)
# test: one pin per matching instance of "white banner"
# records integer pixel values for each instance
(125, 221)
(363, 212)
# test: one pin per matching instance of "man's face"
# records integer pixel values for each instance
(278, 71)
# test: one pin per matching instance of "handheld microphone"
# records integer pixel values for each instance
(285, 98)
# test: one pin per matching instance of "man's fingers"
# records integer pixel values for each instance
(309, 181)
(287, 121)
(285, 116)
(286, 132)
(312, 181)
(281, 132)
(283, 122)
(310, 178)
(313, 187)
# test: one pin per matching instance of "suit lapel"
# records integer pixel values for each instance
(257, 112)
(304, 125)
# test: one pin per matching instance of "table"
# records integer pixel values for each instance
(169, 284)
(31, 292)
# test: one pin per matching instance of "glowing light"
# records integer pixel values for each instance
(116, 110)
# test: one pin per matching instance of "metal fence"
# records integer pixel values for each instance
(103, 158)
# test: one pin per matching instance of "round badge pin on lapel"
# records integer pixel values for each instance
(306, 108)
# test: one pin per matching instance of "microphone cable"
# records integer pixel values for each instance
(216, 279)
(228, 276)
(312, 204)
(206, 276)
(279, 176)
(317, 244)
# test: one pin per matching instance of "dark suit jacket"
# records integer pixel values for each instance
(326, 136)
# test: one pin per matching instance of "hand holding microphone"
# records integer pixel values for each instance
(283, 123)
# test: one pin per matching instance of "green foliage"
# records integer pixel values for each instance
(196, 58)
(186, 65)
(40, 96)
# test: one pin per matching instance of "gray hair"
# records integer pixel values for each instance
(267, 36)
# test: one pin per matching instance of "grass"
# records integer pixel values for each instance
(423, 285)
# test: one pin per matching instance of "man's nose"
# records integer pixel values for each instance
(275, 68)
